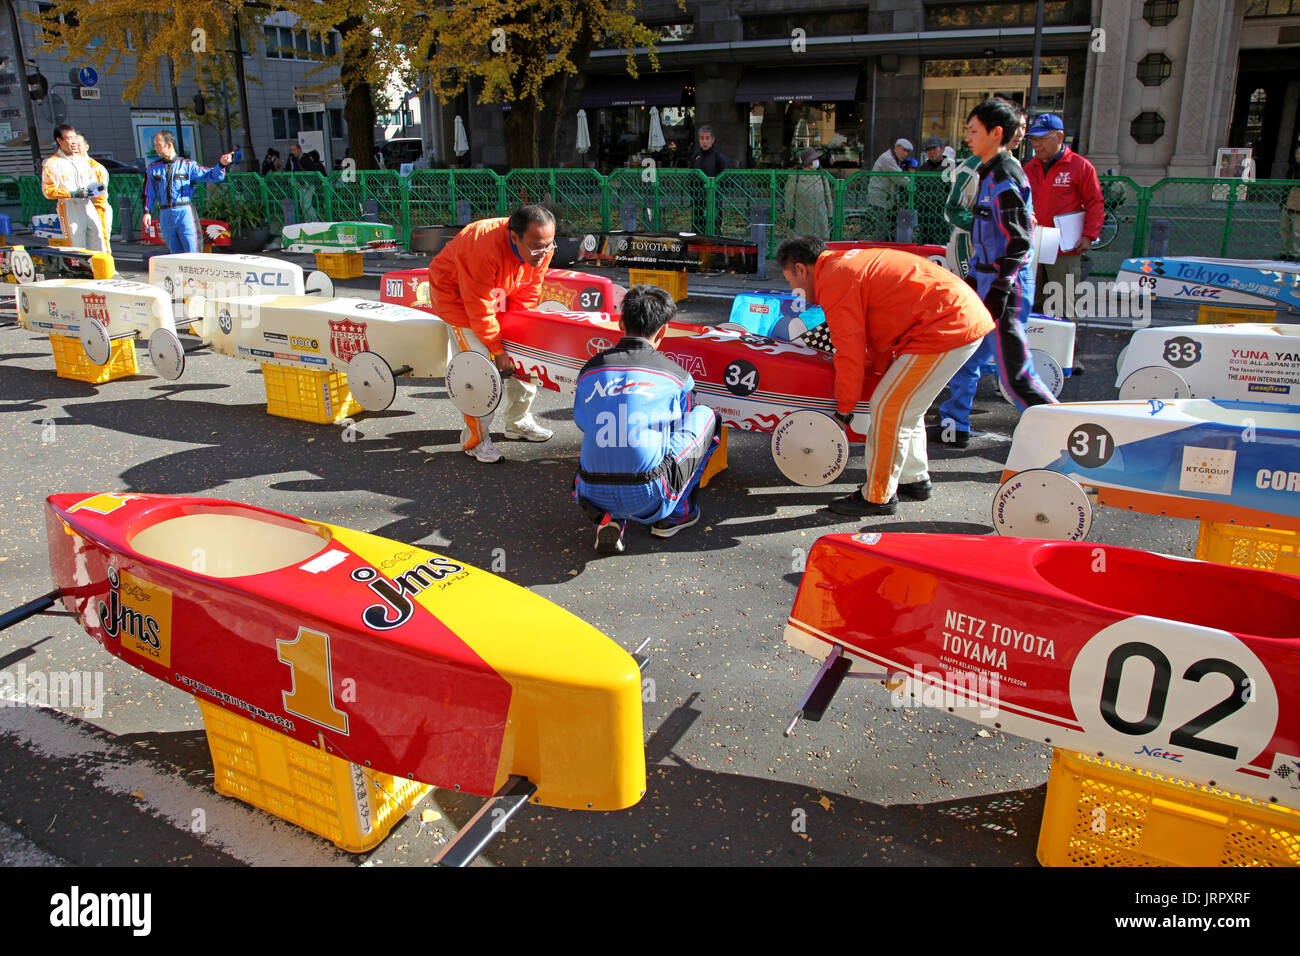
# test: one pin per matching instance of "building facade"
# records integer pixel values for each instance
(277, 62)
(1148, 88)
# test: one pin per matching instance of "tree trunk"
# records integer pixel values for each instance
(521, 135)
(359, 104)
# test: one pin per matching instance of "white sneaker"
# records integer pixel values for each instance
(528, 430)
(485, 451)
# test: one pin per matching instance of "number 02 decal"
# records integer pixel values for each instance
(311, 688)
(1175, 692)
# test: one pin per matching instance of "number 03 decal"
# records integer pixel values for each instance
(311, 687)
(1194, 695)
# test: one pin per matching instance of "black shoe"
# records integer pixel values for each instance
(947, 436)
(855, 506)
(1078, 370)
(916, 490)
(666, 527)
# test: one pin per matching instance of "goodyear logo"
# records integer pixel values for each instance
(1271, 389)
(304, 344)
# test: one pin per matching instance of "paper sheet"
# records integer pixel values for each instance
(1071, 226)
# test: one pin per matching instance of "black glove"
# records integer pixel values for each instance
(996, 299)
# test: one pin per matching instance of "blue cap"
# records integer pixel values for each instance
(1047, 123)
(911, 163)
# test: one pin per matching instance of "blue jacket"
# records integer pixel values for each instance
(1002, 232)
(630, 399)
(172, 183)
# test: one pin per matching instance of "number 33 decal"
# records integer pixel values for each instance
(1195, 694)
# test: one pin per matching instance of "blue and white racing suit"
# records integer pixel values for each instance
(645, 442)
(1002, 236)
(169, 186)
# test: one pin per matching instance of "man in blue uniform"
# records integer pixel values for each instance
(169, 186)
(1002, 236)
(645, 442)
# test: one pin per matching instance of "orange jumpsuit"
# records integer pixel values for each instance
(897, 313)
(85, 226)
(469, 282)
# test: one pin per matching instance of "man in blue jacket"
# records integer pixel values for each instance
(169, 186)
(645, 442)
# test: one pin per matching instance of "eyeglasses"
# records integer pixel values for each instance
(542, 251)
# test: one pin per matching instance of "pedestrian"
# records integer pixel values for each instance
(883, 191)
(645, 442)
(808, 201)
(297, 162)
(169, 186)
(1290, 224)
(931, 191)
(1062, 182)
(271, 163)
(1002, 234)
(899, 314)
(469, 282)
(314, 164)
(711, 161)
(68, 177)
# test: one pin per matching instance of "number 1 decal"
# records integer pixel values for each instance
(311, 687)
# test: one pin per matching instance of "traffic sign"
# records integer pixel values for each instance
(87, 76)
(87, 93)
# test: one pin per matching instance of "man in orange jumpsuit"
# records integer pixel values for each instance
(896, 313)
(469, 281)
(68, 177)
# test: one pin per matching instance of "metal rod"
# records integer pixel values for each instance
(487, 823)
(22, 613)
(20, 69)
(1031, 108)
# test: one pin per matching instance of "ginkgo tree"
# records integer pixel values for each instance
(523, 52)
(145, 39)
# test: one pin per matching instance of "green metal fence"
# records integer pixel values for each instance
(1208, 217)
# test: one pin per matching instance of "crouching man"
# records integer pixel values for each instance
(645, 442)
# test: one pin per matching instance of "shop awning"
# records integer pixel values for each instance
(818, 84)
(650, 89)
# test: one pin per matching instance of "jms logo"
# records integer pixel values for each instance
(397, 608)
(138, 614)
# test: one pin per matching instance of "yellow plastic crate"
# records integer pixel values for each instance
(1268, 549)
(340, 265)
(1100, 813)
(309, 395)
(1222, 315)
(71, 361)
(674, 283)
(350, 805)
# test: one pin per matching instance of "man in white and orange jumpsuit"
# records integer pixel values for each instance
(469, 282)
(67, 176)
(100, 175)
(900, 314)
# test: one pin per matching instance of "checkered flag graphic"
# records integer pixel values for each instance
(819, 338)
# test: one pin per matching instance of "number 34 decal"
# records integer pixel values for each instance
(1194, 694)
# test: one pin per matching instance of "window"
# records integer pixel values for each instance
(1255, 116)
(284, 43)
(285, 124)
(1147, 127)
(960, 16)
(336, 124)
(1154, 68)
(1159, 12)
(1273, 8)
(783, 25)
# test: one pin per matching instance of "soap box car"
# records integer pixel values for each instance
(1249, 361)
(1143, 661)
(1257, 283)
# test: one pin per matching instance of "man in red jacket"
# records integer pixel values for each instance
(1061, 181)
(469, 282)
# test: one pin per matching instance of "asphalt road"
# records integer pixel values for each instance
(871, 784)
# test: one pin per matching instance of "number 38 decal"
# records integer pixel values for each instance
(1191, 694)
